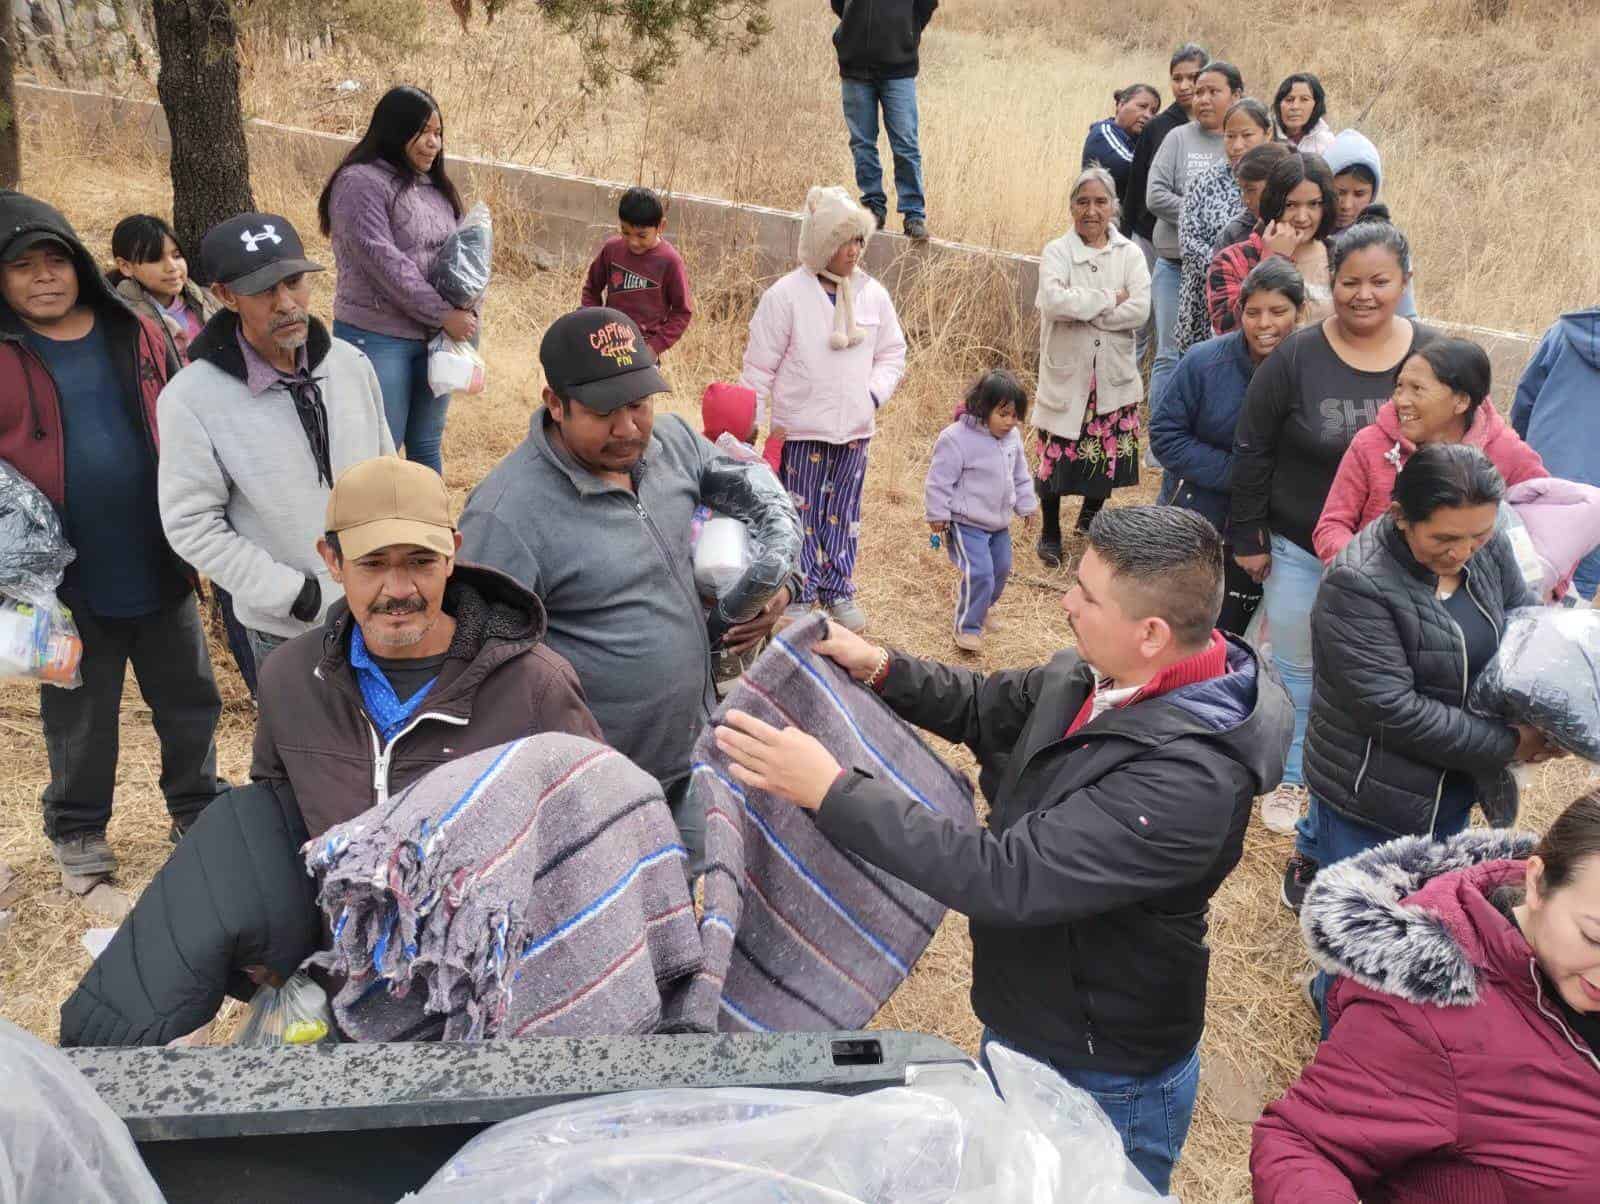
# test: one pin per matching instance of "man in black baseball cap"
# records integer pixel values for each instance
(593, 513)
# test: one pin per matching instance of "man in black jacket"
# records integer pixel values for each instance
(877, 43)
(1119, 779)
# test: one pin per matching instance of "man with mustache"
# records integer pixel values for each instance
(593, 512)
(79, 376)
(254, 431)
(427, 658)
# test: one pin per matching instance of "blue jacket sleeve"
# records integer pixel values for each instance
(1533, 378)
(1174, 419)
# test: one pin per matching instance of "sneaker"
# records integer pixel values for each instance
(993, 625)
(969, 641)
(1280, 810)
(848, 615)
(881, 216)
(85, 856)
(1298, 874)
(1048, 551)
(916, 229)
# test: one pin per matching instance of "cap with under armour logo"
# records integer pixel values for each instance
(253, 252)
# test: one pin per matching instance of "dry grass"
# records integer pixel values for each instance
(1474, 120)
(1009, 87)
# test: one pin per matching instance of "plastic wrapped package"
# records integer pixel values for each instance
(722, 554)
(34, 552)
(296, 1013)
(1547, 675)
(945, 1138)
(40, 642)
(1535, 571)
(463, 265)
(454, 367)
(58, 1139)
(731, 447)
(738, 489)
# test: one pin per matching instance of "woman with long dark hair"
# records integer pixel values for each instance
(388, 207)
(1300, 111)
(1305, 404)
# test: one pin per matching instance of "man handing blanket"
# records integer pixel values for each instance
(1120, 779)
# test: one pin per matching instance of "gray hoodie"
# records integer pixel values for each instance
(1186, 152)
(241, 498)
(615, 573)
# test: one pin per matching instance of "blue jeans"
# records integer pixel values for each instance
(1326, 837)
(416, 416)
(984, 559)
(899, 100)
(1288, 595)
(1151, 1112)
(1587, 575)
(1164, 281)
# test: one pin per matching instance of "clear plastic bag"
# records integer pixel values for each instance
(58, 1139)
(1547, 675)
(463, 265)
(34, 552)
(1536, 573)
(722, 555)
(454, 367)
(40, 642)
(945, 1138)
(296, 1013)
(749, 492)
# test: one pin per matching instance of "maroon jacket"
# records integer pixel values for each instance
(1450, 1076)
(499, 682)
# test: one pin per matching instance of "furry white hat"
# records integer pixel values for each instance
(830, 219)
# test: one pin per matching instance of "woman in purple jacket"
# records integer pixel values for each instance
(387, 208)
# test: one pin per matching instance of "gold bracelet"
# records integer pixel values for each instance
(880, 671)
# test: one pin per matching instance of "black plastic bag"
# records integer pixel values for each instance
(1547, 675)
(464, 264)
(34, 553)
(751, 493)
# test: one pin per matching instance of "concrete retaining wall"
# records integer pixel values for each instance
(572, 213)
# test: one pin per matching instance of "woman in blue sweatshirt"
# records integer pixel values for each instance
(1192, 421)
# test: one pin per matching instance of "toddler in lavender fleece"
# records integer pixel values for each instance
(977, 480)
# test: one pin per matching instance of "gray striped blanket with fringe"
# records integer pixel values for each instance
(800, 935)
(535, 888)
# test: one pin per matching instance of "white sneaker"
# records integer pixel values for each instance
(848, 615)
(1280, 810)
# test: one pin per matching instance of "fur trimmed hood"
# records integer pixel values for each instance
(830, 219)
(1411, 918)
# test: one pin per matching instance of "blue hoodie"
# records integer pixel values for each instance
(1557, 408)
(1192, 421)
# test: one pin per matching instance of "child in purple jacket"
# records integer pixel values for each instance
(977, 479)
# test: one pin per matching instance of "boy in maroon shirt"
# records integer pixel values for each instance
(642, 275)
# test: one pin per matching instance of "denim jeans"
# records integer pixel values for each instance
(1164, 281)
(1587, 575)
(168, 652)
(898, 97)
(1150, 1112)
(263, 644)
(238, 637)
(1288, 595)
(1326, 837)
(416, 416)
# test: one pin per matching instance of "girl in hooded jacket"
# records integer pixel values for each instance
(152, 275)
(825, 353)
(1465, 1046)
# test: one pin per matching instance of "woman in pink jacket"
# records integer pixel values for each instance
(1462, 1064)
(1441, 396)
(825, 353)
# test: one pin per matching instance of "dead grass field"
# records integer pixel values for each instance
(1041, 67)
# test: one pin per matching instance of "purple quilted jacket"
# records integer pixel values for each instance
(385, 236)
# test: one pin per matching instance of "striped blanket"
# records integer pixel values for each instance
(798, 934)
(535, 888)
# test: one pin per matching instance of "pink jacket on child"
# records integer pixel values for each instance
(806, 388)
(1364, 485)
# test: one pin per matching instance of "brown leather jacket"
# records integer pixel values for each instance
(499, 683)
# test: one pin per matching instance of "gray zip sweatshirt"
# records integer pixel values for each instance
(615, 573)
(1186, 152)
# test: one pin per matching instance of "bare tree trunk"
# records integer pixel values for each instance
(10, 132)
(199, 89)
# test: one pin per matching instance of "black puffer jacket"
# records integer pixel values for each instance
(1388, 714)
(233, 894)
(1089, 891)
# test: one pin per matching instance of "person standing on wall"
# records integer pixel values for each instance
(877, 42)
(388, 208)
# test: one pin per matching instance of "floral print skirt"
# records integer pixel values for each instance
(1103, 458)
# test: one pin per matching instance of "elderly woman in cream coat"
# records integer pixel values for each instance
(1094, 295)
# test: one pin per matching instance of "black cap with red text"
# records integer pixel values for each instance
(598, 358)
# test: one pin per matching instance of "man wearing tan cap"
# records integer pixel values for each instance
(426, 658)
